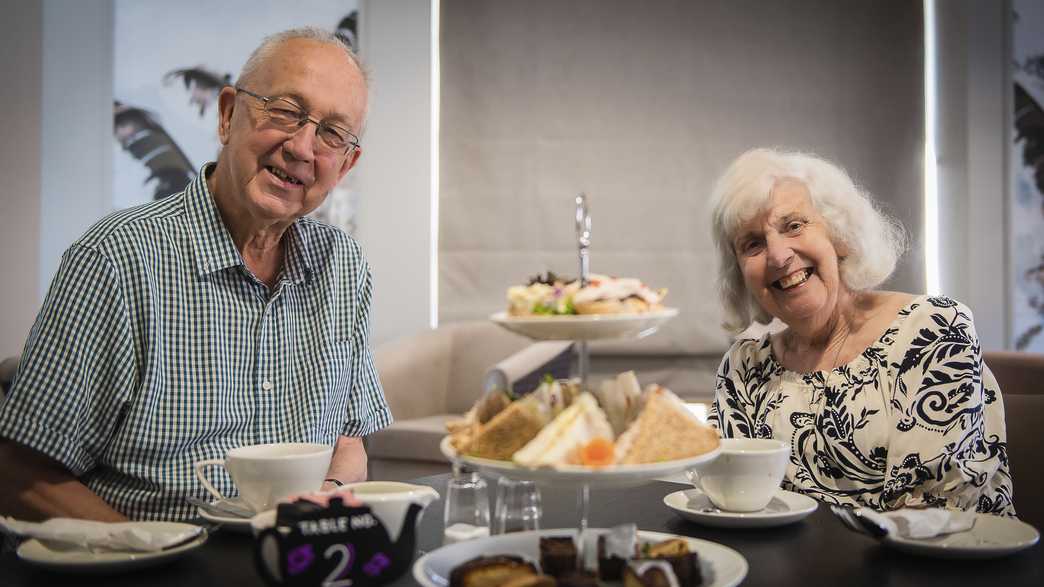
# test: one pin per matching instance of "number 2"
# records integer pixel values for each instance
(334, 578)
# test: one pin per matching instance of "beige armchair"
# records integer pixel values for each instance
(8, 367)
(430, 378)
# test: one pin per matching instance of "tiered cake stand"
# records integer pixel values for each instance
(582, 329)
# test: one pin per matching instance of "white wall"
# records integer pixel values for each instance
(60, 51)
(972, 140)
(395, 171)
(76, 134)
(20, 50)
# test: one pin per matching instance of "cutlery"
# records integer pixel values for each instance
(858, 522)
(221, 508)
(203, 532)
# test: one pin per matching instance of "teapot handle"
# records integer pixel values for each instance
(259, 559)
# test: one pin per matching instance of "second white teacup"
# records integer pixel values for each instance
(745, 475)
(265, 473)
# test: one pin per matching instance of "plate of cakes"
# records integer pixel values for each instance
(551, 307)
(548, 558)
(615, 435)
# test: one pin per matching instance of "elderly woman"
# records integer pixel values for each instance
(882, 396)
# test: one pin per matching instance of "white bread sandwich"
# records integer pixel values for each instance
(561, 440)
(621, 400)
(557, 394)
(665, 430)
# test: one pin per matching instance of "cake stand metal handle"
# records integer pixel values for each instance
(583, 242)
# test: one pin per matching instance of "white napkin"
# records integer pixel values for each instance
(536, 357)
(922, 523)
(90, 535)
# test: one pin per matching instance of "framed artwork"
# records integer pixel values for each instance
(1026, 207)
(170, 61)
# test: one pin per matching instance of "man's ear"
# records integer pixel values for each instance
(349, 162)
(226, 104)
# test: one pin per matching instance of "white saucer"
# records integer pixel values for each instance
(991, 536)
(786, 507)
(228, 522)
(79, 560)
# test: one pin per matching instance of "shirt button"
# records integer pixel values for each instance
(267, 386)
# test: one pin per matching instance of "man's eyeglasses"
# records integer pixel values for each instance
(290, 116)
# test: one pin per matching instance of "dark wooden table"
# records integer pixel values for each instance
(815, 551)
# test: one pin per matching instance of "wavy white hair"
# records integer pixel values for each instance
(874, 241)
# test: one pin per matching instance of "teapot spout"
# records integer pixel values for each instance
(426, 495)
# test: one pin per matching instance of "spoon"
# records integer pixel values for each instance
(221, 509)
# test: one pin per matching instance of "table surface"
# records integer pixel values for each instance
(815, 551)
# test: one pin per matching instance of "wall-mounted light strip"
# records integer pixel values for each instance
(931, 164)
(433, 246)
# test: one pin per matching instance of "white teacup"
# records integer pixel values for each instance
(266, 473)
(745, 475)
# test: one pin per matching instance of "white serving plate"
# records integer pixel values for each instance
(991, 536)
(586, 326)
(720, 565)
(786, 507)
(79, 560)
(577, 475)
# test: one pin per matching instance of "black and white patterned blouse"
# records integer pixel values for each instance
(915, 420)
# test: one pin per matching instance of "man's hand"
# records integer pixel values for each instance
(349, 462)
(37, 487)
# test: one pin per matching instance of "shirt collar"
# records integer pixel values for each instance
(214, 247)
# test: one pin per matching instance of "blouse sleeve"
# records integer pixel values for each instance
(739, 391)
(946, 445)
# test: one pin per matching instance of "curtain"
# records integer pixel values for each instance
(641, 106)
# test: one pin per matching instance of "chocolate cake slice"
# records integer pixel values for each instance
(557, 555)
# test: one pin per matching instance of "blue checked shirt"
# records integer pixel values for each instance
(156, 348)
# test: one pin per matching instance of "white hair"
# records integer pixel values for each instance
(872, 240)
(272, 42)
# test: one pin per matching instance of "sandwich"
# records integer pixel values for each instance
(463, 430)
(509, 430)
(617, 295)
(553, 295)
(560, 442)
(665, 430)
(557, 394)
(544, 295)
(621, 400)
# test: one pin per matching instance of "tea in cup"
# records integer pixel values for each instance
(745, 475)
(266, 473)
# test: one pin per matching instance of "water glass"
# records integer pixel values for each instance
(466, 513)
(518, 506)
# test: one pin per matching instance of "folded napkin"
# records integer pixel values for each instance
(921, 523)
(90, 535)
(522, 372)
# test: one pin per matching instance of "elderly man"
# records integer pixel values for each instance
(215, 318)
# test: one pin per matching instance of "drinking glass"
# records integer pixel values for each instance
(466, 513)
(518, 506)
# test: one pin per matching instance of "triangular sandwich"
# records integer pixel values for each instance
(665, 430)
